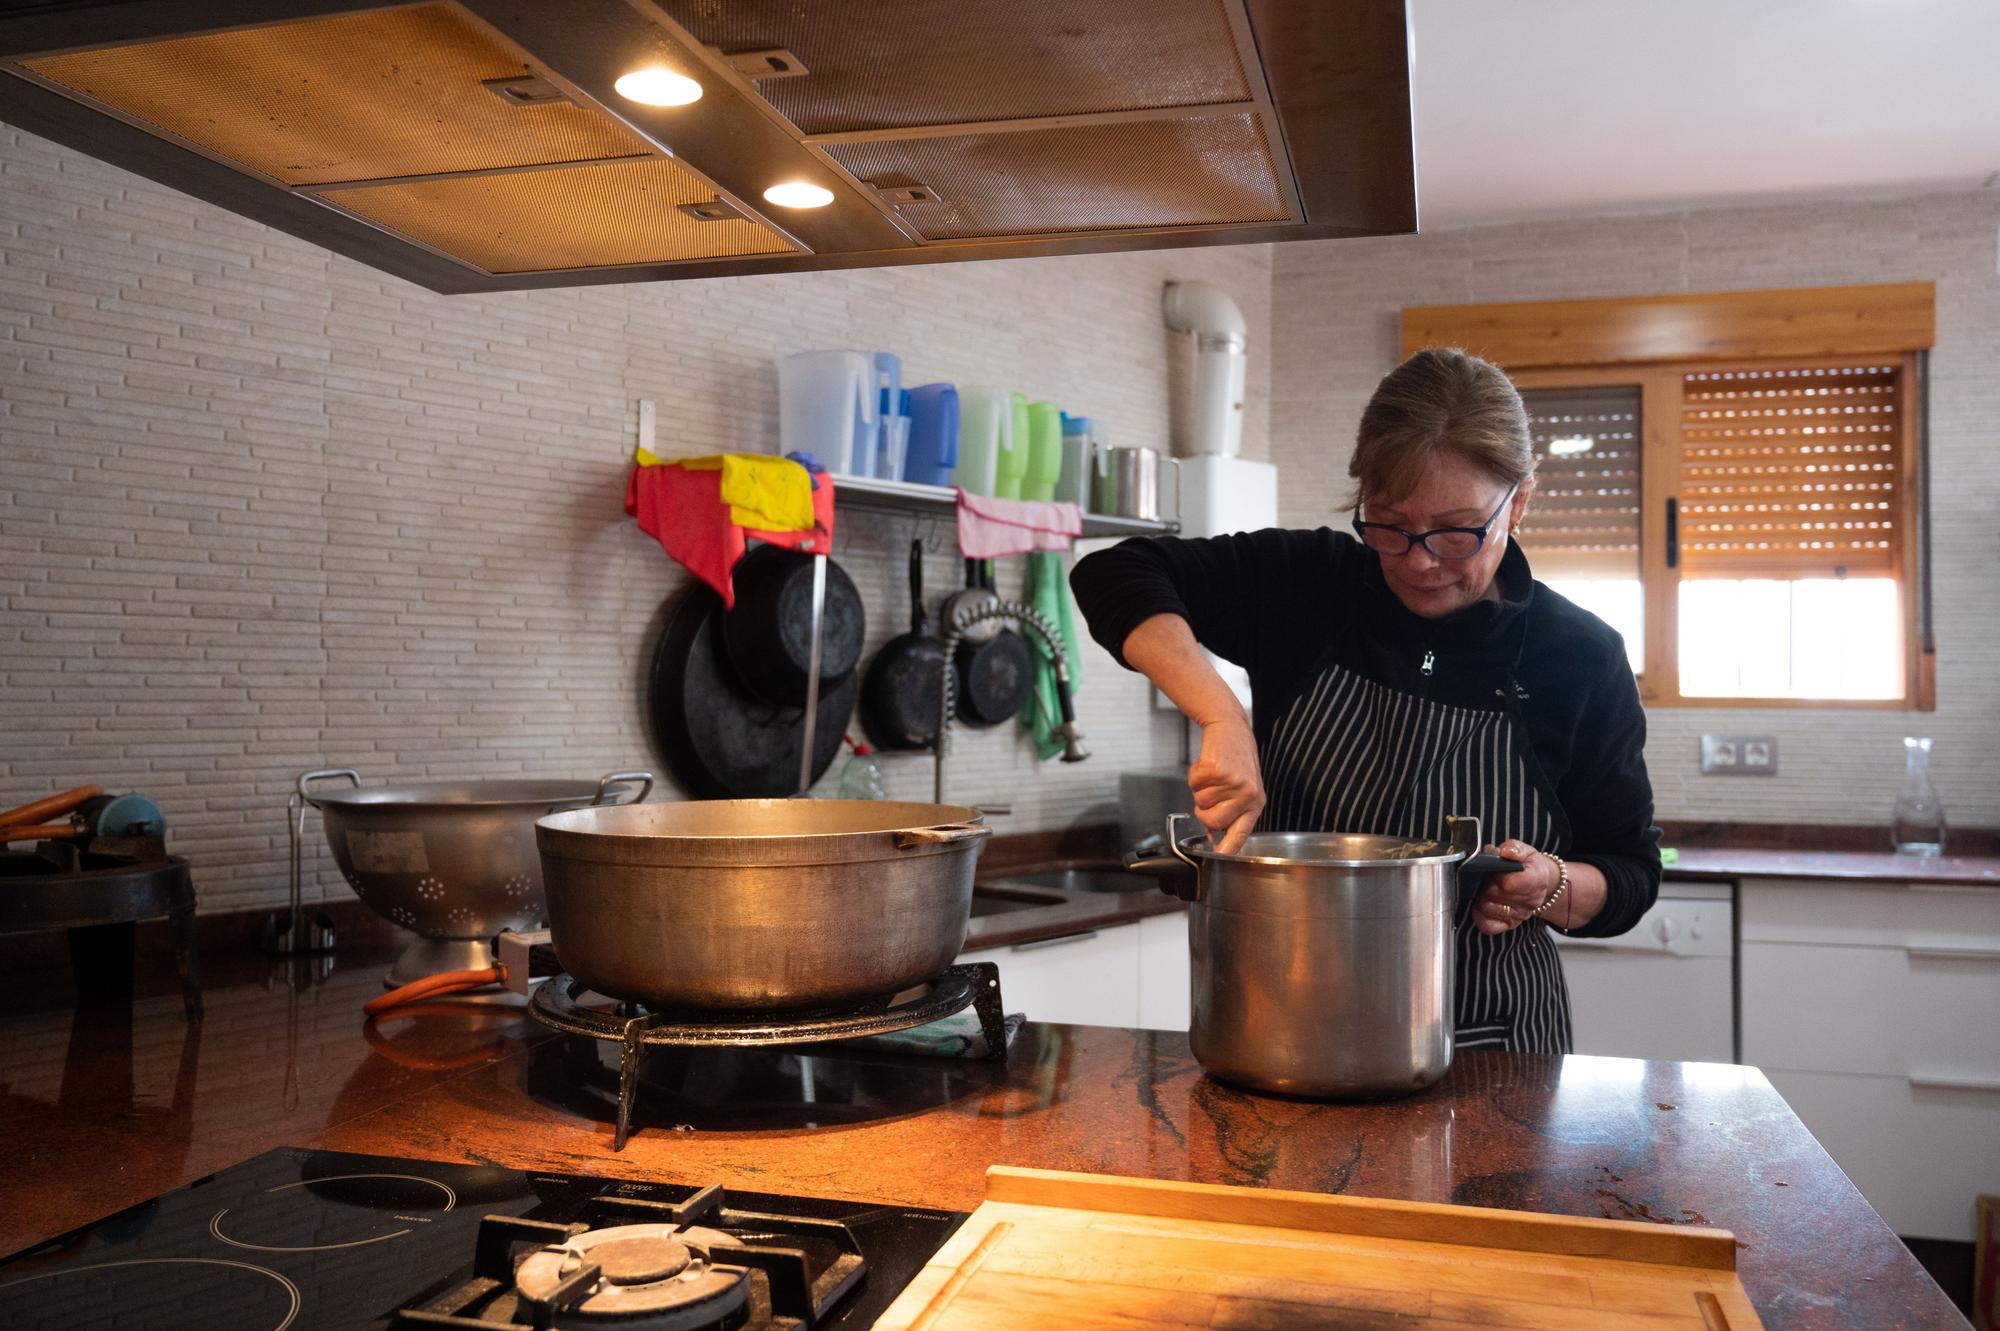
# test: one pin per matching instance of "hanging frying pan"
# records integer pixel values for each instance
(899, 694)
(994, 676)
(719, 740)
(768, 633)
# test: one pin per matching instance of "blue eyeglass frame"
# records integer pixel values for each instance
(1411, 539)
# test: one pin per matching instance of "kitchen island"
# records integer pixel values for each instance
(108, 1107)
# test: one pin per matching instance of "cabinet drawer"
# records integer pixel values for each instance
(1919, 1154)
(1920, 1009)
(1869, 913)
(1086, 979)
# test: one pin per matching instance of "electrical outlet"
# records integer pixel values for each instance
(1739, 755)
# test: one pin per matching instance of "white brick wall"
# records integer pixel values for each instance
(1334, 326)
(267, 509)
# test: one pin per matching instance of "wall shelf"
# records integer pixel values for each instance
(939, 501)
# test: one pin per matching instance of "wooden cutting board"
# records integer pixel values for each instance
(1092, 1251)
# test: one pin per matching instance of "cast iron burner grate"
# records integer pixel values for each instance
(557, 1004)
(651, 1266)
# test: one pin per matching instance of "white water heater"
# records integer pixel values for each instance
(1206, 377)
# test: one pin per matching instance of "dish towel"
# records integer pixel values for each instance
(1048, 593)
(684, 510)
(989, 528)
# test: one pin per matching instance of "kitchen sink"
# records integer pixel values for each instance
(1001, 898)
(1083, 880)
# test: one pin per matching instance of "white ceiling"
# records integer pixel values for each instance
(1537, 108)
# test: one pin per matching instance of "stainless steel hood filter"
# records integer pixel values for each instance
(479, 144)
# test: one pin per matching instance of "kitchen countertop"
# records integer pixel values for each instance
(108, 1107)
(1723, 862)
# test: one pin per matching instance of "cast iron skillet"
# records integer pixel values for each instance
(720, 741)
(768, 633)
(899, 694)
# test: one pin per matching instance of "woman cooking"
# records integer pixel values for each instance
(1412, 671)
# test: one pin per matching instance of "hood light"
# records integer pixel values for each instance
(798, 194)
(658, 87)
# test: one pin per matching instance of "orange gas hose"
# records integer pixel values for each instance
(53, 806)
(447, 982)
(45, 832)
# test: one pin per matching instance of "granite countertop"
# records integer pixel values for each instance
(1725, 862)
(107, 1107)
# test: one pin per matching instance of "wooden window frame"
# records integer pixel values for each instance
(1650, 343)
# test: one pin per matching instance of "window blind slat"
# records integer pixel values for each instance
(1584, 519)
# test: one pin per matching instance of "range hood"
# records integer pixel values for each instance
(483, 145)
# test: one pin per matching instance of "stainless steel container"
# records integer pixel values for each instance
(453, 863)
(759, 905)
(1322, 962)
(1125, 482)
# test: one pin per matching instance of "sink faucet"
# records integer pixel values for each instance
(1026, 617)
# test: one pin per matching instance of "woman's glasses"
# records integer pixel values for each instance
(1440, 542)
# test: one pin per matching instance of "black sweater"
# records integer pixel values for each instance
(1286, 604)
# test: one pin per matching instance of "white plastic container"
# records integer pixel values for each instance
(827, 407)
(985, 432)
(1081, 438)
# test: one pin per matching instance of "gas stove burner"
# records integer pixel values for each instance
(649, 1276)
(563, 1004)
(337, 1211)
(196, 1293)
(646, 1265)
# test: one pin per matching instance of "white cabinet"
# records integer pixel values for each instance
(1870, 1006)
(1133, 975)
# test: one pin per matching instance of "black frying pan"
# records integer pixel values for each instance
(720, 741)
(899, 694)
(994, 677)
(768, 633)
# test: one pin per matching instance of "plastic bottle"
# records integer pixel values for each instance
(1045, 439)
(985, 431)
(861, 778)
(1013, 463)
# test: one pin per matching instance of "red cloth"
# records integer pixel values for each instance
(684, 512)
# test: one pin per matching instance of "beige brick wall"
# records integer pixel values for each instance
(1334, 325)
(267, 509)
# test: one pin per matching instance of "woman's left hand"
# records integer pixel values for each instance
(1509, 900)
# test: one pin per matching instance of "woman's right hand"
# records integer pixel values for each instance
(1227, 783)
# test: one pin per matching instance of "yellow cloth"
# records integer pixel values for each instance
(763, 493)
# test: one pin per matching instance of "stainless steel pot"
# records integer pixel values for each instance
(455, 863)
(1322, 962)
(1126, 482)
(759, 905)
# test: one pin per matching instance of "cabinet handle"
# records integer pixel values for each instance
(1930, 1083)
(1085, 936)
(1955, 953)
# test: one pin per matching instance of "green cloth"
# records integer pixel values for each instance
(1048, 593)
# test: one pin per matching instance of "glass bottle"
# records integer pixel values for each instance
(1918, 827)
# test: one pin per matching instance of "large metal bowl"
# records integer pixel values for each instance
(454, 863)
(759, 905)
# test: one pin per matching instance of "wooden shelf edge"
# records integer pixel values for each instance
(939, 501)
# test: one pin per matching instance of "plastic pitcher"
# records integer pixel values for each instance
(985, 431)
(1014, 455)
(1080, 441)
(933, 434)
(827, 406)
(1045, 437)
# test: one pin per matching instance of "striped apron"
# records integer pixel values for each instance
(1351, 755)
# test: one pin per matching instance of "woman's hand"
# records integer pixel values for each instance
(1509, 900)
(1227, 783)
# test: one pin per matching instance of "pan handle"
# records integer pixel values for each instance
(909, 837)
(610, 779)
(324, 774)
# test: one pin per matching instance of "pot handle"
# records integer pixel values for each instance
(908, 838)
(323, 774)
(610, 779)
(1179, 873)
(1466, 843)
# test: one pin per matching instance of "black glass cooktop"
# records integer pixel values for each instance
(317, 1240)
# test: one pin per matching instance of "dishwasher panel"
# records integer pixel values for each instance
(1667, 989)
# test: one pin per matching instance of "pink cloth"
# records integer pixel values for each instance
(989, 528)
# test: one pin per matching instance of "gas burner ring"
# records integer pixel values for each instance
(647, 1277)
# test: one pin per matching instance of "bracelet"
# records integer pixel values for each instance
(1562, 885)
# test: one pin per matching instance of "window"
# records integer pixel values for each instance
(1731, 481)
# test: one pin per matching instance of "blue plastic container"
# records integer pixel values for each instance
(933, 448)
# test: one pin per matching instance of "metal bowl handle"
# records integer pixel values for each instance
(324, 774)
(943, 835)
(606, 782)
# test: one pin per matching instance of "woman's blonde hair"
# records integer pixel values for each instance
(1440, 400)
